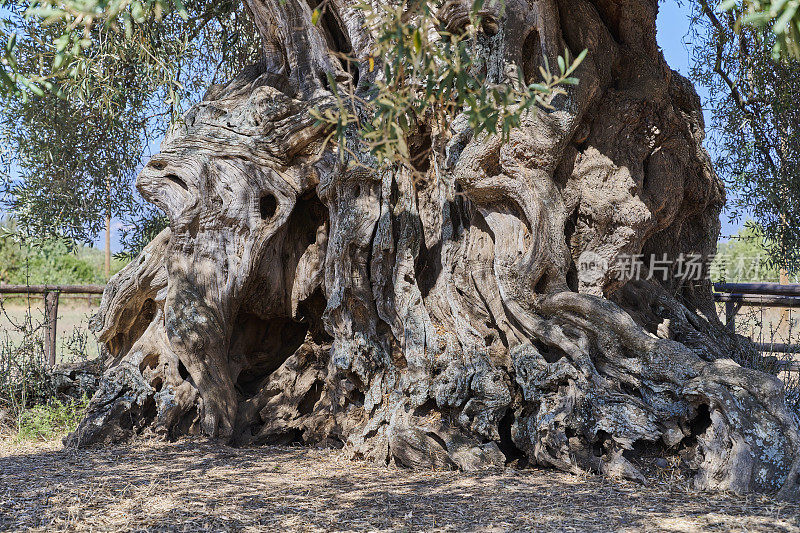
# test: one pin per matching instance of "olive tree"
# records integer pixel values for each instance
(404, 231)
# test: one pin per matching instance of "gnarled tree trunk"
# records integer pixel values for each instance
(442, 322)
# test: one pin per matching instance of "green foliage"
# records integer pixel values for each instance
(49, 262)
(164, 46)
(74, 162)
(50, 420)
(754, 113)
(782, 17)
(136, 236)
(115, 75)
(744, 258)
(432, 74)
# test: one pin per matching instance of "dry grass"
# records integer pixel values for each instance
(73, 317)
(199, 486)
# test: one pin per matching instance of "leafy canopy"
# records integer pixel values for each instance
(782, 17)
(754, 134)
(86, 83)
(86, 95)
(112, 73)
(432, 74)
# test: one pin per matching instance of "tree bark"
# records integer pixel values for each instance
(443, 322)
(107, 252)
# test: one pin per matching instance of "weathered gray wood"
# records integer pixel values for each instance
(44, 289)
(442, 322)
(51, 326)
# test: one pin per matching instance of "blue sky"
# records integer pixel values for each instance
(673, 27)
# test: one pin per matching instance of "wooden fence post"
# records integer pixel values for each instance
(51, 321)
(730, 316)
(51, 295)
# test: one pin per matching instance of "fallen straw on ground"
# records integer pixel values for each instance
(198, 485)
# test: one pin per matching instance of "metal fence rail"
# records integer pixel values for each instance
(737, 295)
(51, 296)
(759, 288)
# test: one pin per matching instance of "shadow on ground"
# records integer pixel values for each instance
(197, 485)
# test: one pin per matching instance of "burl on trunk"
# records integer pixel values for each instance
(442, 322)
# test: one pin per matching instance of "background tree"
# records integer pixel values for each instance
(743, 258)
(753, 105)
(781, 17)
(47, 262)
(78, 133)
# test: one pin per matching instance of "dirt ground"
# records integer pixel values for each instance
(201, 486)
